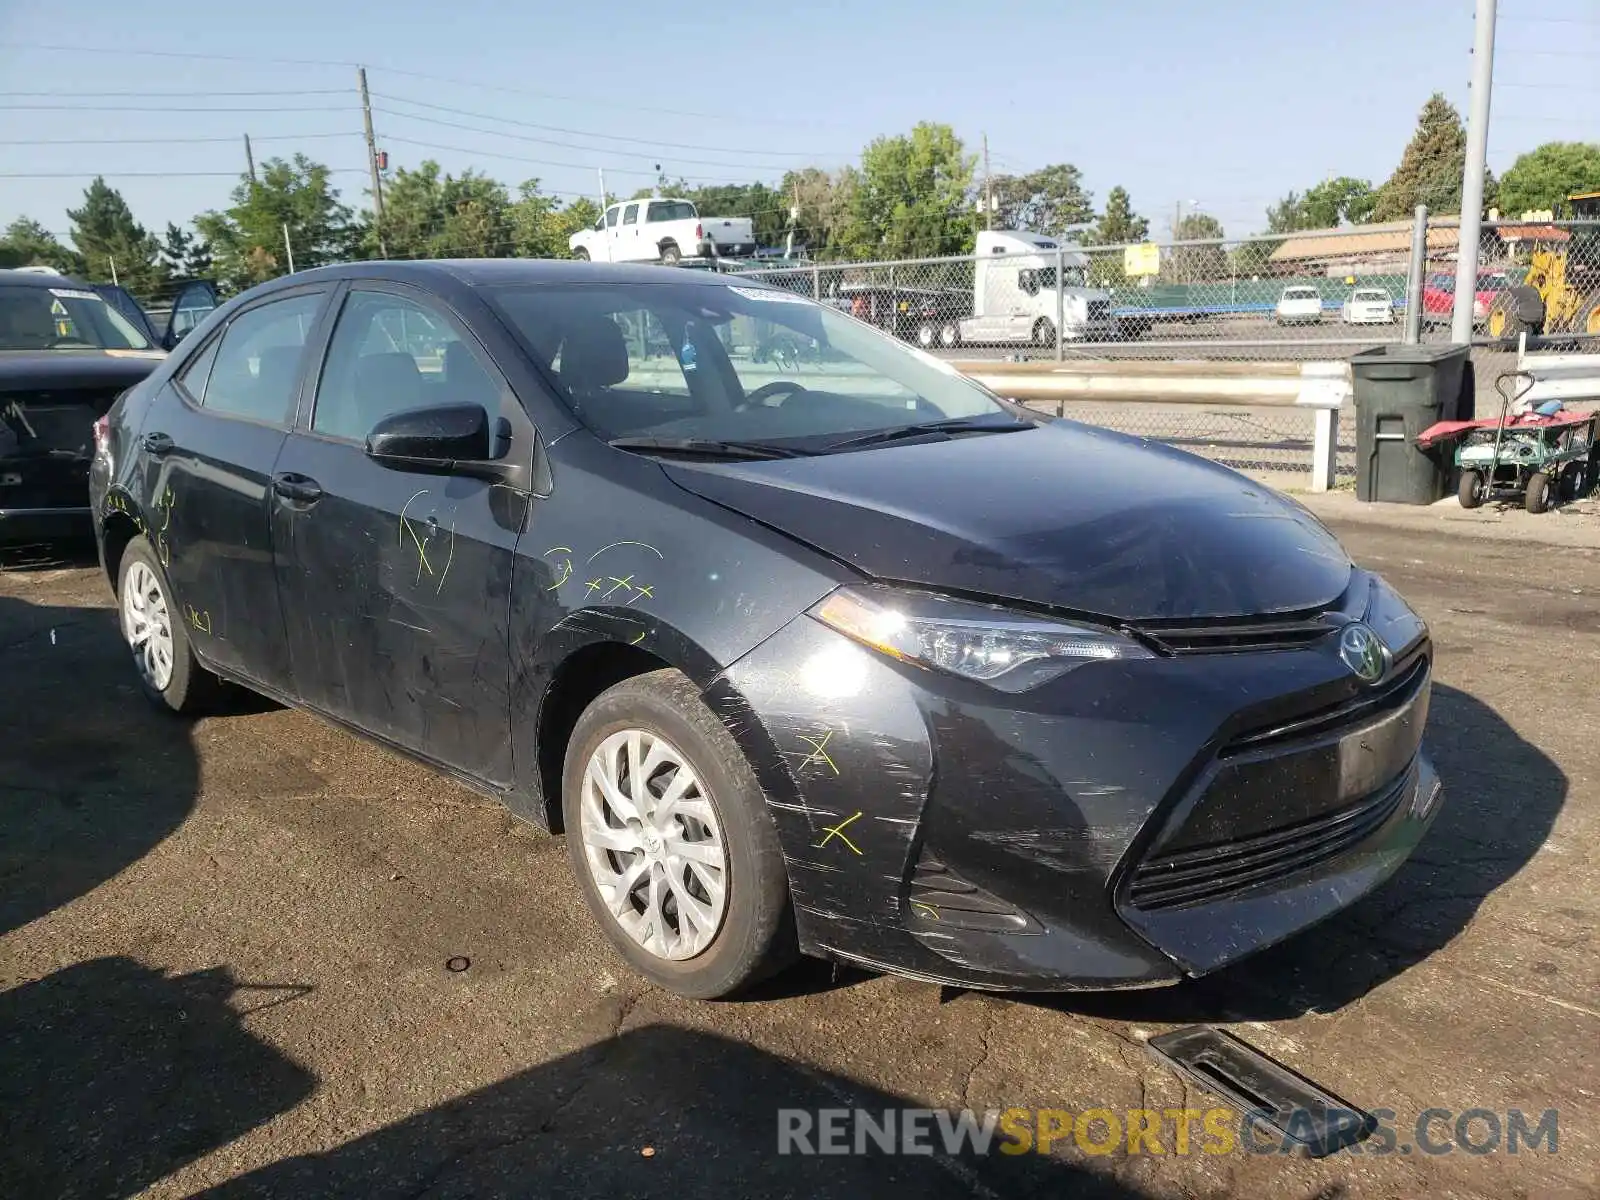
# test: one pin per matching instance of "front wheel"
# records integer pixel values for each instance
(1044, 333)
(949, 336)
(671, 841)
(1537, 498)
(925, 336)
(581, 254)
(1470, 490)
(163, 658)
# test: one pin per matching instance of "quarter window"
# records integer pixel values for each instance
(197, 370)
(257, 367)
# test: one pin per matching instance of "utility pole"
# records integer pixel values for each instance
(794, 222)
(372, 161)
(1472, 176)
(988, 187)
(249, 158)
(288, 247)
(601, 171)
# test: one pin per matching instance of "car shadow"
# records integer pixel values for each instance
(118, 1074)
(1502, 797)
(94, 776)
(655, 1111)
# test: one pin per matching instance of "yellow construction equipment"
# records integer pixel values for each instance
(1561, 291)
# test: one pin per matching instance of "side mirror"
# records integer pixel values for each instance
(439, 438)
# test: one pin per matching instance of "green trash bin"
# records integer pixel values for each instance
(1399, 392)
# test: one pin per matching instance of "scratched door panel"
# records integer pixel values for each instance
(396, 590)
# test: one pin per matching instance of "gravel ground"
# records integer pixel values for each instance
(223, 953)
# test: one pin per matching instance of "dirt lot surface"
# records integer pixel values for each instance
(223, 953)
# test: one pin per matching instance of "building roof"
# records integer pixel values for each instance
(1393, 237)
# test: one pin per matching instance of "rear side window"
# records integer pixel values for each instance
(670, 210)
(630, 215)
(258, 363)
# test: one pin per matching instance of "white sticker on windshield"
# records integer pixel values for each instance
(773, 297)
(73, 294)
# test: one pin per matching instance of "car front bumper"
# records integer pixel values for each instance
(1127, 825)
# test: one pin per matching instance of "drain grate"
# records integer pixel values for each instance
(1306, 1116)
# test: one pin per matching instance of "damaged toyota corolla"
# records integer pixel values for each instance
(808, 643)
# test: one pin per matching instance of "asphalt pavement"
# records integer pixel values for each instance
(255, 956)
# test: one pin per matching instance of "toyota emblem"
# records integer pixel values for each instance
(1363, 652)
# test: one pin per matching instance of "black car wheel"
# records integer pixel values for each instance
(1044, 333)
(671, 842)
(163, 658)
(670, 254)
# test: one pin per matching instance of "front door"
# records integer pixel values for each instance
(397, 583)
(629, 242)
(212, 437)
(613, 232)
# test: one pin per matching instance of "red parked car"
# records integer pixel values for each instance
(1439, 295)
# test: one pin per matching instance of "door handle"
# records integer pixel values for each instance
(298, 488)
(158, 444)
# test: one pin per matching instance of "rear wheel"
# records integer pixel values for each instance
(163, 658)
(949, 336)
(1470, 490)
(926, 336)
(1044, 333)
(1572, 480)
(670, 254)
(1538, 495)
(671, 842)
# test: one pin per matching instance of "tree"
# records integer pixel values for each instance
(766, 207)
(247, 240)
(26, 243)
(185, 255)
(540, 227)
(113, 243)
(1118, 225)
(1045, 201)
(428, 213)
(1187, 264)
(1545, 176)
(1341, 201)
(909, 197)
(1431, 168)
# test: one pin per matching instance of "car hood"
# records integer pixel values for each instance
(1065, 516)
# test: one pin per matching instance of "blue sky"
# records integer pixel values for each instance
(1223, 107)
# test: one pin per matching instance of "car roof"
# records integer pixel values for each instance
(37, 279)
(495, 272)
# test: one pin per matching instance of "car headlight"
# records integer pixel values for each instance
(1005, 649)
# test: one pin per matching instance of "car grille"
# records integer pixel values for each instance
(1223, 639)
(1205, 873)
(1399, 691)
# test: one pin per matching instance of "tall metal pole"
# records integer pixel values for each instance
(372, 162)
(601, 171)
(1414, 274)
(1472, 182)
(988, 187)
(249, 158)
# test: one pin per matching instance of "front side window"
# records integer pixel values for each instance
(701, 360)
(611, 217)
(257, 366)
(389, 354)
(63, 318)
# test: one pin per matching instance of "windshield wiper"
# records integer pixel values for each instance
(708, 447)
(922, 429)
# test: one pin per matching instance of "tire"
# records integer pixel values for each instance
(949, 336)
(184, 686)
(926, 336)
(670, 254)
(753, 935)
(581, 254)
(1537, 498)
(1468, 489)
(1044, 333)
(1571, 481)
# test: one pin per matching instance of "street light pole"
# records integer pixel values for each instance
(1472, 176)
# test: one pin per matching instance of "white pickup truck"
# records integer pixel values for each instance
(660, 230)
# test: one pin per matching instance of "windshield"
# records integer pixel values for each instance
(63, 318)
(1300, 294)
(1370, 295)
(728, 363)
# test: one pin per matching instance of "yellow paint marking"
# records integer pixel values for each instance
(819, 752)
(837, 831)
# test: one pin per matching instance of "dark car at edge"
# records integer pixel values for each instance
(842, 656)
(67, 350)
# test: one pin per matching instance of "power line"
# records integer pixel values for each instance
(177, 95)
(609, 137)
(545, 162)
(606, 150)
(148, 174)
(167, 141)
(155, 108)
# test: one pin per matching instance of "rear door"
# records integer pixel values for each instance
(211, 439)
(397, 583)
(628, 240)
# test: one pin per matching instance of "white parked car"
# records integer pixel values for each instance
(649, 230)
(1368, 306)
(1298, 305)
